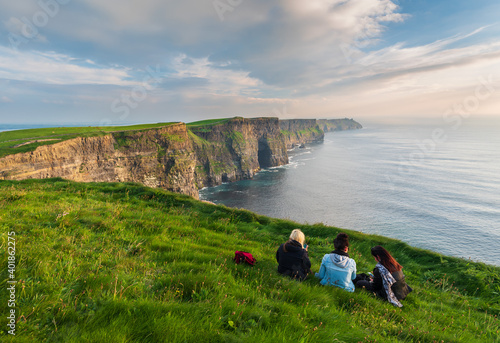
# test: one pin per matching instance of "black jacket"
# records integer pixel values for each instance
(400, 288)
(294, 262)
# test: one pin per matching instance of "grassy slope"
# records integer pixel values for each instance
(125, 263)
(9, 139)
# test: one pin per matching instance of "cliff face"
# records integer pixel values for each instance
(176, 157)
(300, 131)
(157, 158)
(237, 149)
(328, 125)
(171, 157)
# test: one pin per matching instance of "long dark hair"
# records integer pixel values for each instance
(386, 259)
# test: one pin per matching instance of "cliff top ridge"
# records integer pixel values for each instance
(20, 141)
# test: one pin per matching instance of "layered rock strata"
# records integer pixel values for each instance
(171, 157)
(161, 157)
(300, 131)
(174, 157)
(237, 149)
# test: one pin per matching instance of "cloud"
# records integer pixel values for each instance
(55, 68)
(177, 73)
(262, 55)
(280, 42)
(423, 54)
(216, 77)
(19, 31)
(303, 40)
(428, 68)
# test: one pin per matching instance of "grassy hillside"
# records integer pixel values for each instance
(16, 141)
(125, 263)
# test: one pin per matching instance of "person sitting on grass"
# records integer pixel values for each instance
(337, 268)
(388, 279)
(292, 257)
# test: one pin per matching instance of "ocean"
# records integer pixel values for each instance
(435, 186)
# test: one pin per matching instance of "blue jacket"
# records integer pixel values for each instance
(337, 270)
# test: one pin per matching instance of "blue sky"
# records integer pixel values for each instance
(122, 61)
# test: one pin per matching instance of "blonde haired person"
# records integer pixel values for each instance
(292, 257)
(298, 236)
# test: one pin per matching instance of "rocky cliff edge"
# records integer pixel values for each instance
(177, 157)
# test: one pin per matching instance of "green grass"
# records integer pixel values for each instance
(305, 132)
(198, 141)
(113, 262)
(9, 140)
(310, 130)
(208, 122)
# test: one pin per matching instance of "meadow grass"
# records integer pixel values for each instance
(18, 141)
(115, 262)
(208, 122)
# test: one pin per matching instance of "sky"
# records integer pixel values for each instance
(127, 61)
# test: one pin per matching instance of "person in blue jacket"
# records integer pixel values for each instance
(337, 268)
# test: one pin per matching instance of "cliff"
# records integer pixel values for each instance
(300, 131)
(236, 149)
(171, 157)
(156, 157)
(175, 156)
(328, 125)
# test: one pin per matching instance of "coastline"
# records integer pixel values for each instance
(366, 201)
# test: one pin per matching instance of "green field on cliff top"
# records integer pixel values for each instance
(209, 122)
(114, 262)
(19, 141)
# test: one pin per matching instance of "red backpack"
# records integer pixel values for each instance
(242, 256)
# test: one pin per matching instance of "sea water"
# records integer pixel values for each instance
(434, 186)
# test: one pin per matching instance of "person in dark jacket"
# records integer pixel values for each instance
(292, 257)
(388, 279)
